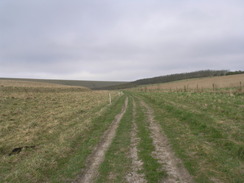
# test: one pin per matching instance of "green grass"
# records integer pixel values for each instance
(152, 169)
(206, 132)
(117, 161)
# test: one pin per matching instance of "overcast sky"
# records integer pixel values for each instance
(119, 40)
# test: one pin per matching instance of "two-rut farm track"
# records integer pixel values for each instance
(98, 154)
(172, 165)
(165, 156)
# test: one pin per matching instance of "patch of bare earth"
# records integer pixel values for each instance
(97, 157)
(134, 176)
(176, 172)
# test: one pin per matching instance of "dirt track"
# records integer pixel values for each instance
(171, 164)
(98, 154)
(176, 173)
(134, 176)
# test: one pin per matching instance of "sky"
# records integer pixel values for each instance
(111, 40)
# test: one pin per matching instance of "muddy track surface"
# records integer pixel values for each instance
(137, 165)
(97, 157)
(172, 165)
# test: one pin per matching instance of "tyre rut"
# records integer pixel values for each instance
(172, 165)
(96, 158)
(137, 165)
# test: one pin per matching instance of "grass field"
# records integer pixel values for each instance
(65, 132)
(32, 84)
(49, 126)
(206, 131)
(77, 83)
(201, 84)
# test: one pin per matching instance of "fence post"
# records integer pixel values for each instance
(110, 99)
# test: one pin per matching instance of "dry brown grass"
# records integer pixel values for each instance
(203, 83)
(50, 121)
(31, 84)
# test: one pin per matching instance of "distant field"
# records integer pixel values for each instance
(19, 83)
(88, 84)
(31, 86)
(231, 81)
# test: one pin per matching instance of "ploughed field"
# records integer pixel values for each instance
(75, 135)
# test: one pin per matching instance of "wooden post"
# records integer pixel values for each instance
(110, 99)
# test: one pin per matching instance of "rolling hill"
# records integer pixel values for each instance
(173, 77)
(88, 84)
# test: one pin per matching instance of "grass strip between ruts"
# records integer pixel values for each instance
(152, 169)
(117, 162)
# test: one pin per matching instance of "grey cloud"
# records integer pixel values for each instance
(122, 40)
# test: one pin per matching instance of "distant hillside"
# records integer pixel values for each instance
(88, 84)
(173, 77)
(31, 86)
(114, 85)
(230, 81)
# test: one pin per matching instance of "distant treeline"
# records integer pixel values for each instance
(235, 72)
(173, 77)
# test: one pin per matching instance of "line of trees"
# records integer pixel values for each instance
(235, 72)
